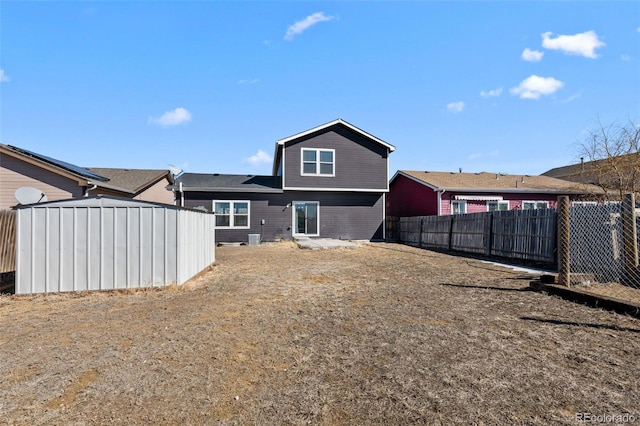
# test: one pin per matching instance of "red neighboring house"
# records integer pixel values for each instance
(415, 193)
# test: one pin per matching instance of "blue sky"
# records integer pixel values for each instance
(508, 87)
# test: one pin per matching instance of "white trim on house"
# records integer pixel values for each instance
(499, 203)
(390, 147)
(535, 204)
(231, 214)
(462, 206)
(318, 162)
(294, 225)
(300, 188)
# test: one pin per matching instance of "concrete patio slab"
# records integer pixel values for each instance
(323, 243)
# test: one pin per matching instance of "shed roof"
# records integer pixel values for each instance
(216, 182)
(496, 182)
(99, 201)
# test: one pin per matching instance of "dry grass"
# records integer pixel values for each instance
(383, 334)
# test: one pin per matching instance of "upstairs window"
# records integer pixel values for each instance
(231, 214)
(318, 162)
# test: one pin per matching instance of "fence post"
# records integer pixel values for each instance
(420, 235)
(564, 271)
(629, 234)
(488, 230)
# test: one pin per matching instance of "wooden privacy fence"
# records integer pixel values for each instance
(517, 234)
(7, 241)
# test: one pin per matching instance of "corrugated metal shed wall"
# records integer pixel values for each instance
(196, 243)
(109, 245)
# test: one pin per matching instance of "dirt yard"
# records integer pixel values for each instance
(381, 334)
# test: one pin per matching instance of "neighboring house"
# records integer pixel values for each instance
(329, 181)
(416, 193)
(139, 184)
(59, 180)
(618, 175)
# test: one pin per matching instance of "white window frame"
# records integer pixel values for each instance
(462, 204)
(294, 229)
(232, 204)
(318, 163)
(535, 204)
(584, 203)
(498, 204)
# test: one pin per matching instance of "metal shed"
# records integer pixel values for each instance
(108, 243)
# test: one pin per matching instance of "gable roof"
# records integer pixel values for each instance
(53, 164)
(598, 170)
(333, 123)
(495, 182)
(132, 180)
(227, 183)
(281, 142)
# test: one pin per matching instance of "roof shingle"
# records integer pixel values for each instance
(497, 182)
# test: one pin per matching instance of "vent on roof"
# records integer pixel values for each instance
(216, 174)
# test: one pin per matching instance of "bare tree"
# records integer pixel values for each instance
(613, 159)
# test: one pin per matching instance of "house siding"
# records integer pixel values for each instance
(515, 201)
(344, 215)
(15, 173)
(157, 193)
(359, 162)
(410, 198)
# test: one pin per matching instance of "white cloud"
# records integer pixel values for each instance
(491, 93)
(172, 118)
(534, 86)
(3, 76)
(455, 106)
(304, 24)
(532, 55)
(583, 44)
(572, 98)
(625, 57)
(251, 81)
(260, 158)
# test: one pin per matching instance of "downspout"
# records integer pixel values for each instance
(384, 216)
(440, 192)
(87, 189)
(181, 195)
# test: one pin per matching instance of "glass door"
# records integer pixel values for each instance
(305, 218)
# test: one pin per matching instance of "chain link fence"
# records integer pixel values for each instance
(598, 249)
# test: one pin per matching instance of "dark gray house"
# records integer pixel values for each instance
(329, 182)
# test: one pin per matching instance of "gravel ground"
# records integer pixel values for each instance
(380, 334)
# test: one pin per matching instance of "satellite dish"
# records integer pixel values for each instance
(28, 195)
(175, 171)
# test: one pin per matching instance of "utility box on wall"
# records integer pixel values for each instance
(108, 243)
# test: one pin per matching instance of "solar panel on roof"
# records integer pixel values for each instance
(62, 164)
